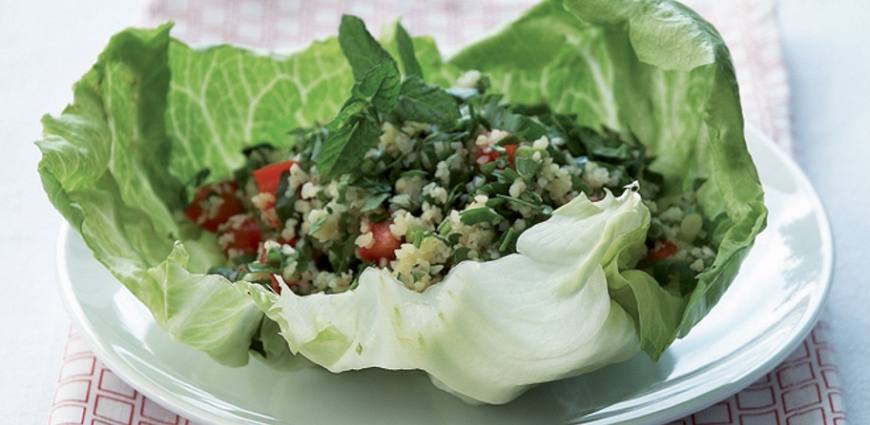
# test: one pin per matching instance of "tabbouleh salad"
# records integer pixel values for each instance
(586, 196)
(428, 195)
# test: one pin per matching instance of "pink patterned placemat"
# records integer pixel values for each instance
(803, 390)
(89, 393)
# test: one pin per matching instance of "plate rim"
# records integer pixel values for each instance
(191, 411)
(800, 333)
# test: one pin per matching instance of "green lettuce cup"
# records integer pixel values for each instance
(153, 112)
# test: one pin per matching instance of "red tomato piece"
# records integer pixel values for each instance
(275, 285)
(384, 246)
(485, 155)
(291, 242)
(240, 235)
(269, 176)
(511, 151)
(662, 250)
(488, 154)
(213, 204)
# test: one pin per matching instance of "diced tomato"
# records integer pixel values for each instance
(240, 235)
(269, 176)
(275, 285)
(488, 154)
(485, 155)
(213, 204)
(384, 246)
(291, 242)
(511, 151)
(662, 250)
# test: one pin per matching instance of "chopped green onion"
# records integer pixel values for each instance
(480, 215)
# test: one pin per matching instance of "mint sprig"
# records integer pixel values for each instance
(422, 102)
(355, 129)
(406, 53)
(378, 91)
(380, 86)
(362, 51)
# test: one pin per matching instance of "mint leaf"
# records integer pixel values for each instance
(500, 118)
(421, 102)
(406, 53)
(351, 134)
(374, 202)
(376, 73)
(527, 167)
(380, 85)
(363, 52)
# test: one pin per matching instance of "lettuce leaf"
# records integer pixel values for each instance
(153, 112)
(104, 168)
(490, 329)
(659, 71)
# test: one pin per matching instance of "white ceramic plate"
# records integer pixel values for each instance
(770, 308)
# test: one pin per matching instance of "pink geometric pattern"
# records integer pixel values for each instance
(803, 390)
(88, 393)
(287, 24)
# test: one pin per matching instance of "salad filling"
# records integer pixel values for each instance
(425, 195)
